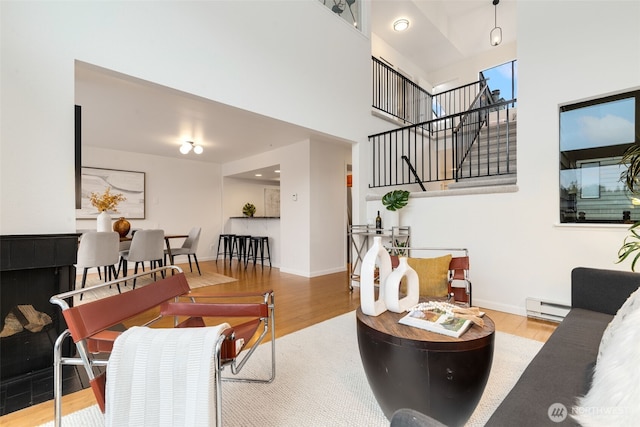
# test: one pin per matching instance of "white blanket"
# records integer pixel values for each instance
(162, 377)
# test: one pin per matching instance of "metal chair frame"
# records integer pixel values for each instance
(88, 326)
(458, 266)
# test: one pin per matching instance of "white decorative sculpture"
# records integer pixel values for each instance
(392, 288)
(368, 303)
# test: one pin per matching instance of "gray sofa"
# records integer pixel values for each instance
(562, 369)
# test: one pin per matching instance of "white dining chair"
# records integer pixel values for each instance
(100, 250)
(188, 248)
(146, 245)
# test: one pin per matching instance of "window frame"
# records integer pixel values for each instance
(604, 204)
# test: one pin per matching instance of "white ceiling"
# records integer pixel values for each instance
(442, 32)
(128, 114)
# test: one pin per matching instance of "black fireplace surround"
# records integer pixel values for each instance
(32, 269)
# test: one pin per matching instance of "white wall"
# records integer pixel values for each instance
(276, 58)
(313, 226)
(516, 246)
(468, 70)
(380, 49)
(179, 194)
(328, 209)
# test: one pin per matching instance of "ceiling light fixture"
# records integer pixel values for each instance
(401, 24)
(188, 145)
(495, 37)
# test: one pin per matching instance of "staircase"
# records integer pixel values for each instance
(492, 158)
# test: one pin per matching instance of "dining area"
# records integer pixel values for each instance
(114, 253)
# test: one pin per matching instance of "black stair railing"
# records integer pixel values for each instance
(468, 129)
(396, 95)
(429, 151)
(399, 97)
(442, 140)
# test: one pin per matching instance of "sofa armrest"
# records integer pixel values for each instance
(602, 290)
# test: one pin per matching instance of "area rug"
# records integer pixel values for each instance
(195, 281)
(320, 382)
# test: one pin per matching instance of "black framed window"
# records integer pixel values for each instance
(593, 137)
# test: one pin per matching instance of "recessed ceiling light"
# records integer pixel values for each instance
(401, 24)
(258, 174)
(277, 171)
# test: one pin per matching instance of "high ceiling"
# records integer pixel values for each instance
(123, 113)
(442, 32)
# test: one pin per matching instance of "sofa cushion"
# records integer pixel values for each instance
(601, 290)
(557, 374)
(433, 274)
(614, 397)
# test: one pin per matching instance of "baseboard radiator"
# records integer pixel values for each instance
(546, 310)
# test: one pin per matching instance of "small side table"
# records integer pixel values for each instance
(435, 374)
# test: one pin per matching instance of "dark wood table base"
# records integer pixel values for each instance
(434, 374)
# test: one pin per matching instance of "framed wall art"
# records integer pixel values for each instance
(128, 183)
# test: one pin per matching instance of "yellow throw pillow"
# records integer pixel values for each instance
(433, 274)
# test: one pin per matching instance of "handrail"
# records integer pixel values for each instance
(436, 156)
(463, 147)
(466, 114)
(494, 106)
(413, 172)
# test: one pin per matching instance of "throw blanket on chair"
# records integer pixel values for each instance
(162, 377)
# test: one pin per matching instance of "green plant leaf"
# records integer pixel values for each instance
(396, 199)
(249, 209)
(630, 246)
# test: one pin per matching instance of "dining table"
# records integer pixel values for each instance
(167, 238)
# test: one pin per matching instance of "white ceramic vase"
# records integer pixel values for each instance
(377, 254)
(104, 222)
(392, 288)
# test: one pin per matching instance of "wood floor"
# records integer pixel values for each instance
(300, 302)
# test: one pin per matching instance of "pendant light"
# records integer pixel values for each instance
(495, 37)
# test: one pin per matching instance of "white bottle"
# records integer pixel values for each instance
(392, 288)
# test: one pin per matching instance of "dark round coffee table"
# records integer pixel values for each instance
(437, 375)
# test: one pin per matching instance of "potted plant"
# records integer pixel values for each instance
(630, 177)
(248, 209)
(394, 201)
(104, 203)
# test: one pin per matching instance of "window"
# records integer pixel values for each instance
(593, 137)
(502, 81)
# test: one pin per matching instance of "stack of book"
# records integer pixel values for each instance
(443, 318)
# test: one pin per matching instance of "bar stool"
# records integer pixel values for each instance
(227, 245)
(258, 243)
(241, 244)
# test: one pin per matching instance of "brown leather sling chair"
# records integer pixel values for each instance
(90, 325)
